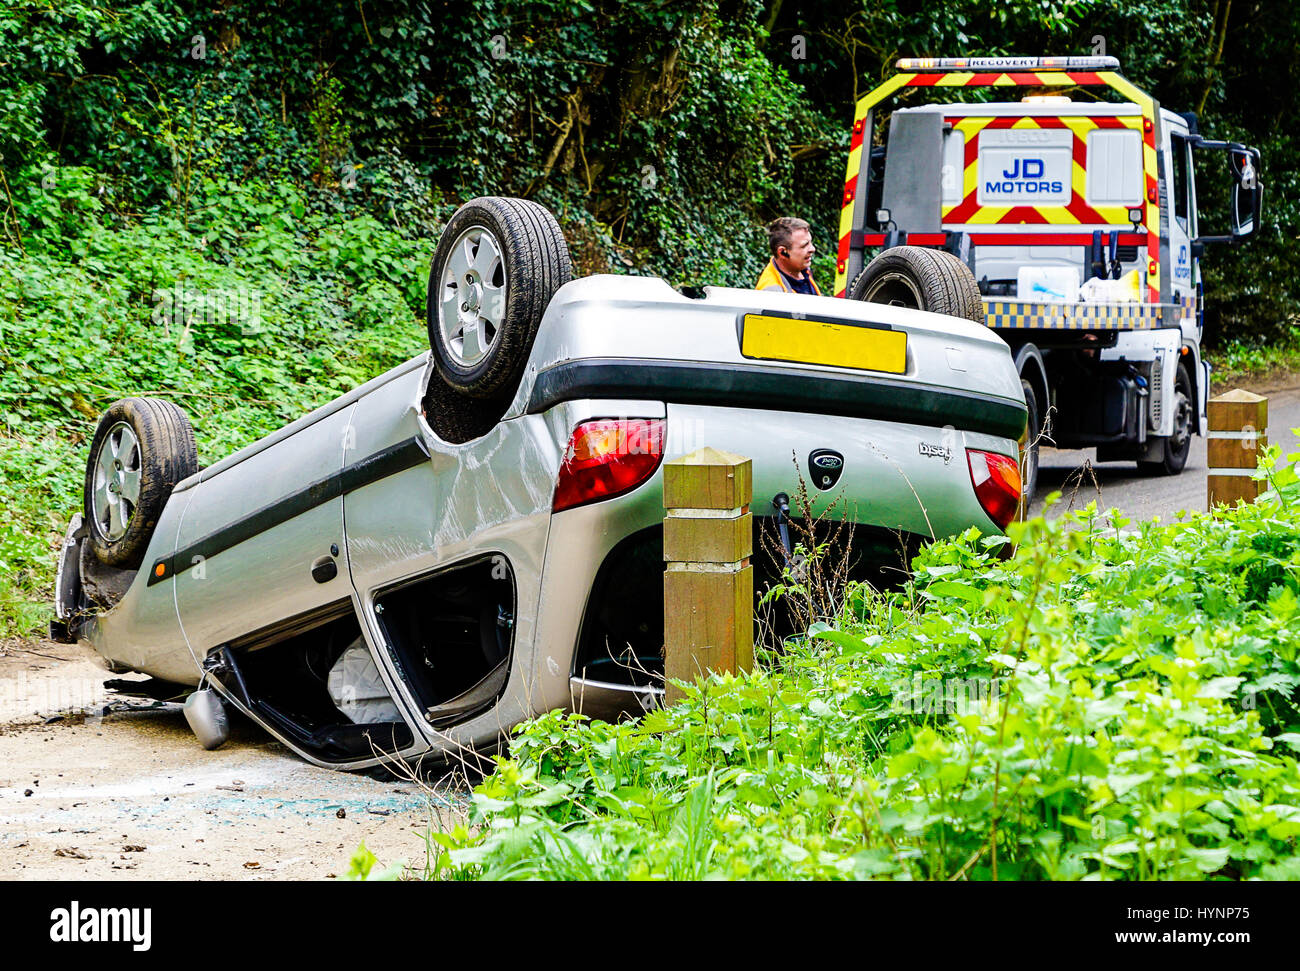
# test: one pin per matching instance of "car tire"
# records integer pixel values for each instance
(68, 597)
(920, 279)
(1029, 449)
(141, 449)
(1175, 448)
(457, 418)
(971, 299)
(496, 267)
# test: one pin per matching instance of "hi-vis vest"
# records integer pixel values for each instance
(773, 279)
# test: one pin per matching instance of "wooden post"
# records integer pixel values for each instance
(1238, 430)
(709, 583)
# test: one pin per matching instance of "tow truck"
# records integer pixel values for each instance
(1078, 217)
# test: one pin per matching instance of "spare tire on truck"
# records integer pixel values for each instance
(920, 279)
(141, 449)
(496, 267)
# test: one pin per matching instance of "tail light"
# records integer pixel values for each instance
(607, 458)
(997, 484)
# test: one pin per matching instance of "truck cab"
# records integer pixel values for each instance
(1079, 218)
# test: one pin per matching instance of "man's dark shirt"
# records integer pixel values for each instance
(801, 284)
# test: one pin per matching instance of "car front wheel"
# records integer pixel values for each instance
(141, 449)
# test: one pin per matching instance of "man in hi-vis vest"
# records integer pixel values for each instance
(790, 268)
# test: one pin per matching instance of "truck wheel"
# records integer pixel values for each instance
(1029, 449)
(497, 265)
(1176, 447)
(141, 449)
(920, 279)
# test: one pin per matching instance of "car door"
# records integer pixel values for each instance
(262, 540)
(445, 553)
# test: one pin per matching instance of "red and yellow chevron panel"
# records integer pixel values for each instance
(1074, 213)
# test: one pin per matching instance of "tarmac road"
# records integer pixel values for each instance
(95, 786)
(1119, 485)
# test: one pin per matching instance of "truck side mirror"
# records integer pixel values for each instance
(1247, 193)
(1246, 199)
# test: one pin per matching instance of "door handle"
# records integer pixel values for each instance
(324, 570)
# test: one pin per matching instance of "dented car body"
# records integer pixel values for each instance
(366, 587)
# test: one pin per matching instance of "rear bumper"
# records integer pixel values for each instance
(889, 482)
(773, 388)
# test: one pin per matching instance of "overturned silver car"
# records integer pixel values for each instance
(475, 537)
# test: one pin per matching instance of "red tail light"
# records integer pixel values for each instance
(997, 484)
(607, 458)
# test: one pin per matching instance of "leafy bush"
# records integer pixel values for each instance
(1108, 703)
(257, 308)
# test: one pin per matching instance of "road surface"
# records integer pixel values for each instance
(94, 786)
(1118, 484)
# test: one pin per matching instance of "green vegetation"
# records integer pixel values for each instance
(1112, 702)
(232, 205)
(312, 305)
(1247, 361)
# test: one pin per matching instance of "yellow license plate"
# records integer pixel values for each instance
(823, 342)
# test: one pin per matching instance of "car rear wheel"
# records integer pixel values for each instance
(920, 279)
(1176, 447)
(141, 449)
(496, 267)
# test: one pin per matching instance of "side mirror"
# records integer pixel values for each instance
(1247, 193)
(1246, 197)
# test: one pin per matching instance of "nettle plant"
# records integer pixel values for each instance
(1139, 720)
